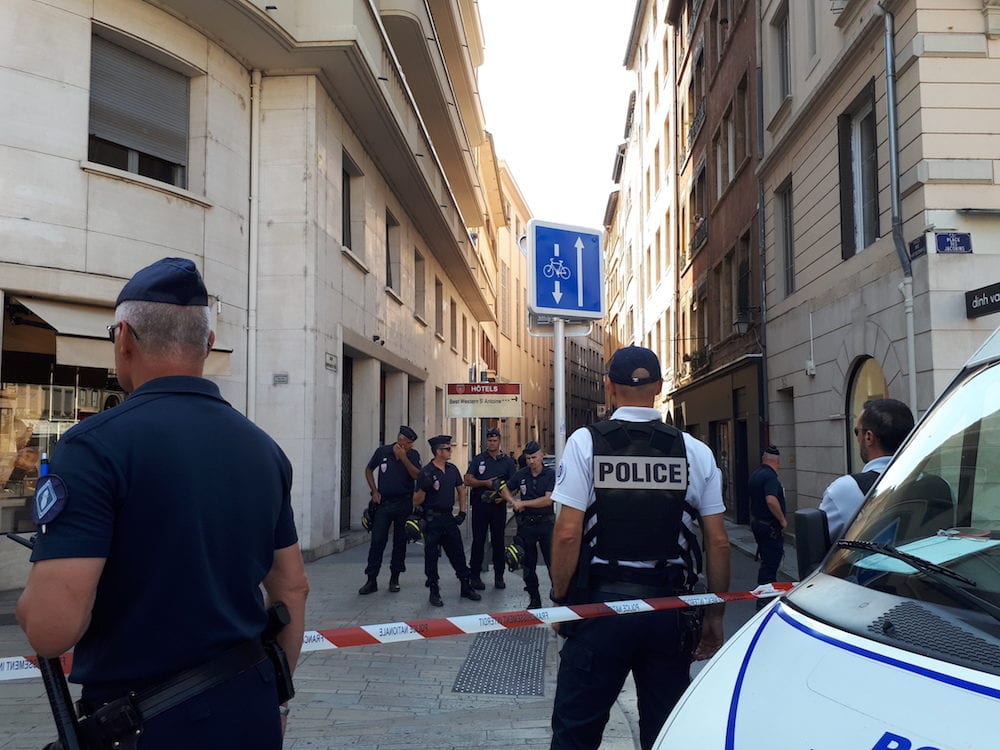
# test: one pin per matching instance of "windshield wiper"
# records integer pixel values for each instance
(937, 574)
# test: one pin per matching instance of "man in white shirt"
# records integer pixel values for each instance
(630, 491)
(880, 430)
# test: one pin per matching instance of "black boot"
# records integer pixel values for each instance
(498, 581)
(477, 583)
(534, 600)
(394, 582)
(435, 597)
(468, 591)
(370, 587)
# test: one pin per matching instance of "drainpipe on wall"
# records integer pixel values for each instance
(253, 247)
(905, 288)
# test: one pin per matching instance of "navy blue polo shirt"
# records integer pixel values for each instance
(763, 482)
(531, 487)
(391, 476)
(186, 500)
(439, 486)
(485, 466)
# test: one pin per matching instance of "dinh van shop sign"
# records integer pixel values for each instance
(982, 301)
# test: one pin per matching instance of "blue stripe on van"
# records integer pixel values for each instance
(781, 612)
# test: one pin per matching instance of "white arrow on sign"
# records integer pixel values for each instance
(556, 293)
(579, 275)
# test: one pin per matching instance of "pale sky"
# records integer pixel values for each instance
(555, 92)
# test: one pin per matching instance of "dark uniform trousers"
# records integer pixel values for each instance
(442, 532)
(393, 510)
(597, 656)
(239, 714)
(490, 517)
(770, 549)
(534, 531)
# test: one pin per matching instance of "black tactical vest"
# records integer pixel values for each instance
(640, 483)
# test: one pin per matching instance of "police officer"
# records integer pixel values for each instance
(767, 516)
(160, 521)
(535, 517)
(392, 497)
(629, 490)
(438, 485)
(486, 514)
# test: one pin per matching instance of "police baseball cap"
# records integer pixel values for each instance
(492, 432)
(772, 450)
(175, 281)
(634, 365)
(532, 447)
(408, 432)
(438, 440)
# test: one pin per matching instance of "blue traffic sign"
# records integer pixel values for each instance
(565, 271)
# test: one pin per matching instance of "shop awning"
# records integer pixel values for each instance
(82, 335)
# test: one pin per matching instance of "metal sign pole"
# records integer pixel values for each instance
(559, 384)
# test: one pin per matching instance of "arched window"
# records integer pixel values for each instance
(867, 382)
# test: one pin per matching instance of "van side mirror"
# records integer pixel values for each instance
(812, 539)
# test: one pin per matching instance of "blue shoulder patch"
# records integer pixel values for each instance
(50, 499)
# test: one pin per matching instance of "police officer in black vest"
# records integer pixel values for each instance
(535, 517)
(390, 474)
(630, 490)
(490, 516)
(438, 485)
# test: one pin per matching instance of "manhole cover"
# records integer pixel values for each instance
(505, 662)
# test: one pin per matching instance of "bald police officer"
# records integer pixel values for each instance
(390, 474)
(630, 490)
(490, 516)
(167, 515)
(439, 485)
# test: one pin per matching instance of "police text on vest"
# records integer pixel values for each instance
(640, 473)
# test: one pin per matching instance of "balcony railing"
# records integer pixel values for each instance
(696, 123)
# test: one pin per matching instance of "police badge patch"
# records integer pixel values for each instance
(50, 499)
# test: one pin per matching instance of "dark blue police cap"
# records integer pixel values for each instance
(492, 432)
(438, 440)
(532, 447)
(408, 432)
(634, 365)
(175, 281)
(772, 450)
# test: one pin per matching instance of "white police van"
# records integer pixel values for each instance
(894, 643)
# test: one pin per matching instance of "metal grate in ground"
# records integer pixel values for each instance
(505, 662)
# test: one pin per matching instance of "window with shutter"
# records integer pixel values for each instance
(139, 112)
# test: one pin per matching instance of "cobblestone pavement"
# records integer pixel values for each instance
(388, 696)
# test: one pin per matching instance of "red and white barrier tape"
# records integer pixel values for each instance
(20, 667)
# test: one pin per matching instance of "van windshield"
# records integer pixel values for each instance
(939, 504)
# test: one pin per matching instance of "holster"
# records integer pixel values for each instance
(113, 726)
(277, 618)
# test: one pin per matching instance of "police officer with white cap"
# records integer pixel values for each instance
(630, 490)
(169, 531)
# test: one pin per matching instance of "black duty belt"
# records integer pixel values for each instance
(535, 518)
(390, 498)
(428, 514)
(668, 577)
(185, 685)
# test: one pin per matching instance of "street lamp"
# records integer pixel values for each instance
(745, 317)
